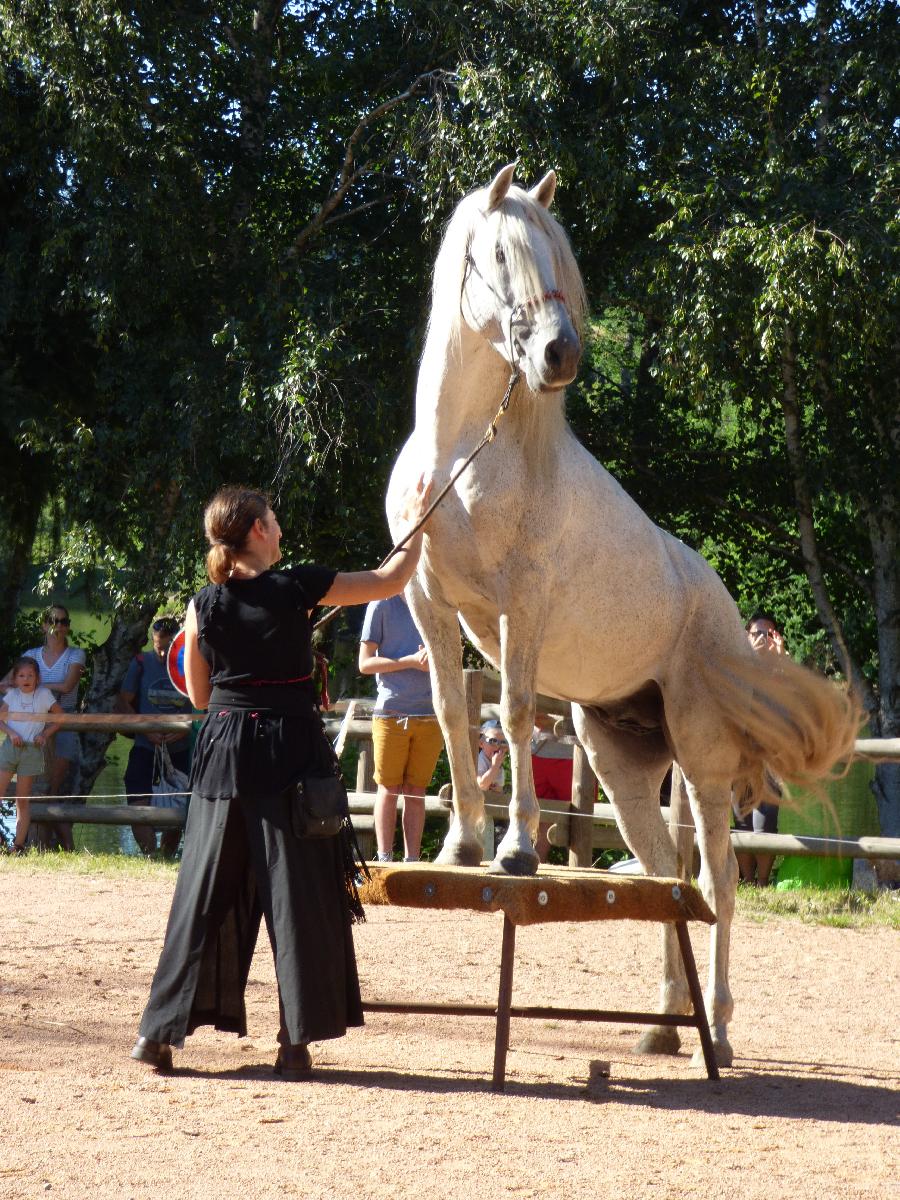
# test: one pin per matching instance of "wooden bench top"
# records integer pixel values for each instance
(555, 894)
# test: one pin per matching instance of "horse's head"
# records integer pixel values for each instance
(521, 288)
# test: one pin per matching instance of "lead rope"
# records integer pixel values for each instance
(489, 434)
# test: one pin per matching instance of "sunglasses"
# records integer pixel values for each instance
(165, 625)
(762, 633)
(58, 621)
(495, 741)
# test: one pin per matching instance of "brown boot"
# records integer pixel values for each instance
(294, 1062)
(154, 1054)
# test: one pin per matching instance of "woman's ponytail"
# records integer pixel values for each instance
(228, 519)
(219, 563)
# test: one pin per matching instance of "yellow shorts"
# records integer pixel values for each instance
(406, 750)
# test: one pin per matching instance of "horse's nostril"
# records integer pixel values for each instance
(561, 356)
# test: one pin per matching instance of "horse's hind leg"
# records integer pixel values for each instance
(631, 768)
(711, 806)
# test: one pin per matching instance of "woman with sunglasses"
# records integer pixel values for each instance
(61, 667)
(248, 661)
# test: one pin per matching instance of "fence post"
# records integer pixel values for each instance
(365, 766)
(474, 692)
(681, 823)
(365, 782)
(581, 828)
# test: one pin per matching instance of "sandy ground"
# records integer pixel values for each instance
(403, 1107)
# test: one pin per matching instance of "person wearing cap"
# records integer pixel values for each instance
(147, 689)
(766, 638)
(492, 751)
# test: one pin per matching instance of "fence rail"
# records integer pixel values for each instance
(871, 749)
(580, 825)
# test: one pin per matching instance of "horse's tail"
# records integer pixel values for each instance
(789, 722)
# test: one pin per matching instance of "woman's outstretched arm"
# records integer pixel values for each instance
(359, 587)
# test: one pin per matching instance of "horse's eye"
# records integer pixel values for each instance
(500, 256)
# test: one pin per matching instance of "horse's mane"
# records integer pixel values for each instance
(516, 212)
(540, 425)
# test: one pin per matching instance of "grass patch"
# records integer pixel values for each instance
(843, 908)
(100, 866)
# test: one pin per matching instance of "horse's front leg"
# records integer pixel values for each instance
(519, 645)
(439, 626)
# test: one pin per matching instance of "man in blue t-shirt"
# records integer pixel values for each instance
(147, 688)
(405, 732)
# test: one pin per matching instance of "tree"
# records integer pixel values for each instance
(746, 370)
(245, 207)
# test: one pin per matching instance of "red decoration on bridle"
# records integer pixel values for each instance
(554, 294)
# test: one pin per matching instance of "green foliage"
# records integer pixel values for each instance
(220, 225)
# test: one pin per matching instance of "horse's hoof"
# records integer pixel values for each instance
(661, 1039)
(461, 855)
(722, 1051)
(517, 862)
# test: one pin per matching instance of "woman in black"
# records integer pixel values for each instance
(248, 659)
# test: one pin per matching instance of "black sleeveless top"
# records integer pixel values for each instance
(263, 728)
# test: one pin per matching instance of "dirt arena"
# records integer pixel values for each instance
(403, 1108)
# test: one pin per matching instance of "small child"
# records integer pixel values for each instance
(21, 753)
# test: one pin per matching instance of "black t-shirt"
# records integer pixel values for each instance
(259, 629)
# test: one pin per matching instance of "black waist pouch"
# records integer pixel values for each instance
(319, 805)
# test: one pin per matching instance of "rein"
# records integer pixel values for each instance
(490, 433)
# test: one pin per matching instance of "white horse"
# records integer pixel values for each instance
(570, 589)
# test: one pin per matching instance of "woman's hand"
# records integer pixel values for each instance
(415, 502)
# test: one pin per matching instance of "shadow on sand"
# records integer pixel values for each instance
(803, 1090)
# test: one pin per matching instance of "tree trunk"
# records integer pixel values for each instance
(812, 563)
(884, 532)
(126, 637)
(16, 566)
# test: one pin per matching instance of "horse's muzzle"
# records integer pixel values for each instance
(562, 355)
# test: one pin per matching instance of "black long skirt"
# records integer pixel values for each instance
(241, 862)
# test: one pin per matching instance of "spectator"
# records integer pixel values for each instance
(22, 752)
(61, 667)
(765, 638)
(405, 731)
(492, 751)
(148, 689)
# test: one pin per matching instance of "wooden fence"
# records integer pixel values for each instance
(580, 825)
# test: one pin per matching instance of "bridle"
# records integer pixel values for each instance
(471, 267)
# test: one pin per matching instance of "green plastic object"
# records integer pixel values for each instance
(848, 811)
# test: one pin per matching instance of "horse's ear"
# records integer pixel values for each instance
(544, 191)
(500, 186)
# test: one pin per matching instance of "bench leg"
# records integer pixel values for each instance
(504, 1002)
(690, 970)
